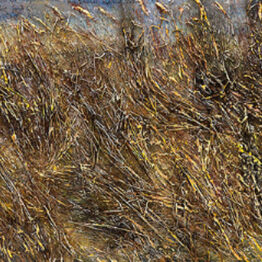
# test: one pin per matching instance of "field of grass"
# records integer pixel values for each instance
(143, 147)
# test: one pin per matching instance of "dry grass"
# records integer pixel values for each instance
(130, 151)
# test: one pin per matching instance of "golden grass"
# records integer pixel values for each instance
(130, 151)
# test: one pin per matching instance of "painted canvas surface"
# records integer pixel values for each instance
(130, 130)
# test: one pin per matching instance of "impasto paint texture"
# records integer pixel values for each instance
(130, 130)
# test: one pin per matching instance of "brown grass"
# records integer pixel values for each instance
(130, 151)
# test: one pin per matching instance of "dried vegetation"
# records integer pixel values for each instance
(131, 150)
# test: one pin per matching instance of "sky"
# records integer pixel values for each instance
(12, 9)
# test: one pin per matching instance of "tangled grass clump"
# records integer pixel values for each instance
(128, 150)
